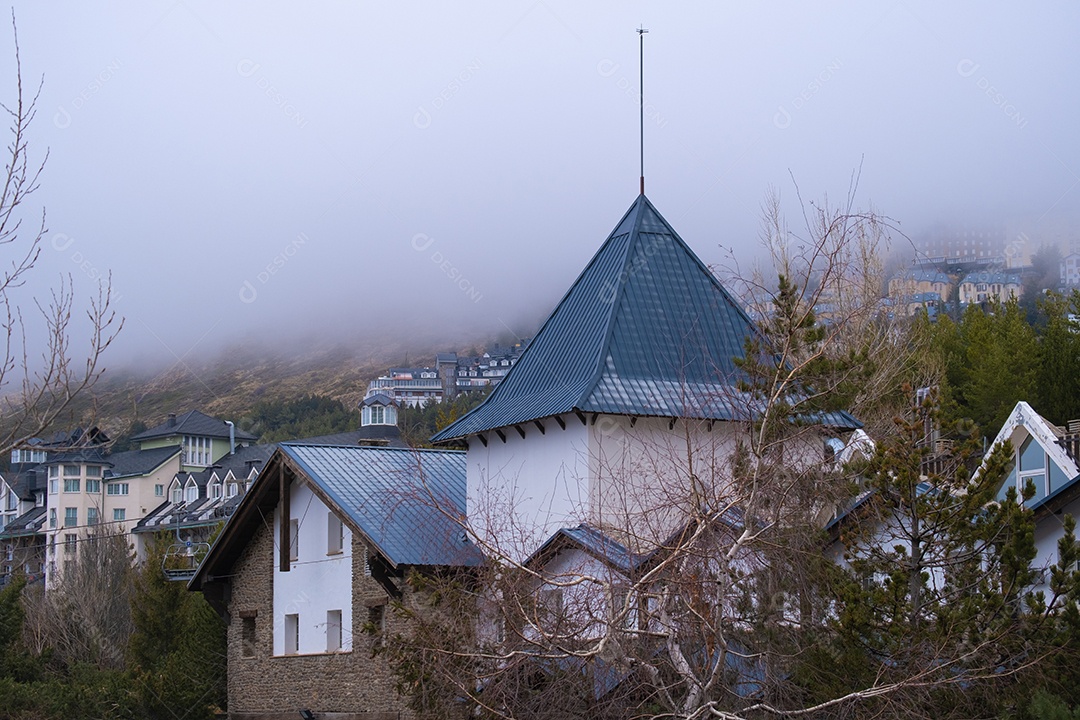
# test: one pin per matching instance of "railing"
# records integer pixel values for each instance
(1071, 443)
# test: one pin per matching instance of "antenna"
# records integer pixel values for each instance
(641, 100)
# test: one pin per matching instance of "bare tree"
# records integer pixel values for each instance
(39, 385)
(704, 582)
(86, 614)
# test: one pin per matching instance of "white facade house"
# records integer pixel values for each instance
(625, 399)
(313, 600)
(1046, 456)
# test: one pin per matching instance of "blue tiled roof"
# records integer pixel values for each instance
(598, 544)
(645, 330)
(409, 503)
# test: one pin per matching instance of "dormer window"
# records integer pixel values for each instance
(197, 450)
(191, 492)
(27, 456)
(233, 489)
(176, 494)
(215, 491)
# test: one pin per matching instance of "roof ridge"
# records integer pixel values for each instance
(620, 291)
(370, 447)
(551, 316)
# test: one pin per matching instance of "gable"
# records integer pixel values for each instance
(1037, 456)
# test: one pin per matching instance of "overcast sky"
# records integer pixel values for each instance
(336, 171)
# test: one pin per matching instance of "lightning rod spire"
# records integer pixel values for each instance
(641, 100)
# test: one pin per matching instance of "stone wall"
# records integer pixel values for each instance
(354, 684)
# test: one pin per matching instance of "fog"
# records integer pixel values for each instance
(362, 173)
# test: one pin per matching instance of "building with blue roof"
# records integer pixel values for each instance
(918, 281)
(634, 373)
(1047, 456)
(990, 286)
(310, 560)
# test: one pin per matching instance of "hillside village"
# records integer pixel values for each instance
(322, 554)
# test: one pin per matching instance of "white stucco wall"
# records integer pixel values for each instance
(522, 490)
(640, 474)
(1048, 530)
(633, 477)
(316, 582)
(585, 585)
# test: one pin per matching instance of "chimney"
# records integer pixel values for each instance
(232, 436)
(172, 419)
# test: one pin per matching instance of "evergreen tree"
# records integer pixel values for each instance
(1001, 359)
(1058, 375)
(177, 651)
(934, 601)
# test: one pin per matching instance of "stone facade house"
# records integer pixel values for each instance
(308, 567)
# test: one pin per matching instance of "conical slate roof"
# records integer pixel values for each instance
(645, 330)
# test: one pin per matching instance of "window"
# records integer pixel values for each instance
(376, 619)
(9, 552)
(52, 518)
(196, 450)
(294, 539)
(116, 489)
(159, 491)
(27, 456)
(93, 471)
(71, 517)
(335, 534)
(54, 484)
(215, 491)
(71, 541)
(92, 516)
(54, 471)
(93, 487)
(292, 634)
(71, 485)
(177, 494)
(620, 598)
(119, 514)
(247, 637)
(333, 630)
(71, 471)
(52, 546)
(377, 416)
(551, 605)
(233, 489)
(191, 493)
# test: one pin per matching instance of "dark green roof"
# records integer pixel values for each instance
(645, 330)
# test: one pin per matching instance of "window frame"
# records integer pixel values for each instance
(334, 635)
(291, 638)
(335, 534)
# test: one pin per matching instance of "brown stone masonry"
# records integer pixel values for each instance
(343, 686)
